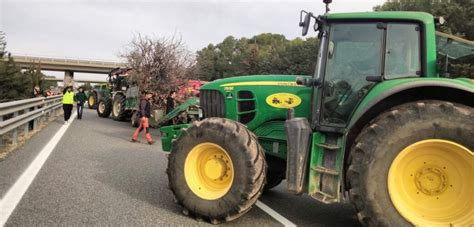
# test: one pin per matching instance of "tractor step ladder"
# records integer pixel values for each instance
(328, 146)
(321, 169)
(328, 170)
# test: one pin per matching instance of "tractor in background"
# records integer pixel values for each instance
(377, 125)
(120, 99)
(95, 94)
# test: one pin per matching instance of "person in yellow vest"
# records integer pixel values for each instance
(68, 100)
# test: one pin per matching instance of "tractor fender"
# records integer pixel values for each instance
(421, 89)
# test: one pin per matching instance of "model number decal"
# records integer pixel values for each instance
(283, 100)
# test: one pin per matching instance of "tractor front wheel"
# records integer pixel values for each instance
(104, 107)
(216, 170)
(118, 108)
(414, 165)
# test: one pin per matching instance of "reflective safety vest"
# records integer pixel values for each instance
(68, 97)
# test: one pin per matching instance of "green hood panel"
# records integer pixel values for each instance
(271, 96)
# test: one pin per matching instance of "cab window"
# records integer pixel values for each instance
(402, 54)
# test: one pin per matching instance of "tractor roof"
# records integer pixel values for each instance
(392, 15)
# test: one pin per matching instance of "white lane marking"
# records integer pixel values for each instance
(274, 214)
(11, 199)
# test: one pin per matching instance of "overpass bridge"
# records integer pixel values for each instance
(68, 66)
(89, 173)
(76, 80)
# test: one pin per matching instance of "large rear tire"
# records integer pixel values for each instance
(414, 165)
(216, 170)
(92, 100)
(118, 108)
(104, 107)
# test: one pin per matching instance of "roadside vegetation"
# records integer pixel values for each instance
(16, 84)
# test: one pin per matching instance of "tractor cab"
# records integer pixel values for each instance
(357, 51)
(117, 79)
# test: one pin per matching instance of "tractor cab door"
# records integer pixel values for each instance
(358, 56)
(354, 52)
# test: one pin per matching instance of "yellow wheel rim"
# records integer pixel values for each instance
(431, 183)
(91, 100)
(208, 171)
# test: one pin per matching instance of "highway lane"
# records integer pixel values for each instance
(95, 176)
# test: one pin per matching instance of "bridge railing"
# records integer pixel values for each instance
(26, 115)
(45, 59)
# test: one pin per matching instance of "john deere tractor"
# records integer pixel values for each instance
(121, 99)
(96, 94)
(377, 125)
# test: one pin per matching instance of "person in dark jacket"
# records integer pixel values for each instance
(80, 99)
(170, 102)
(144, 113)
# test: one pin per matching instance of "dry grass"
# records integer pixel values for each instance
(9, 147)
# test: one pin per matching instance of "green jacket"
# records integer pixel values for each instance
(68, 97)
(80, 97)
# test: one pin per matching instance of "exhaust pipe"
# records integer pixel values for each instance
(298, 135)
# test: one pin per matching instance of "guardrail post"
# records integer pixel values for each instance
(15, 132)
(1, 136)
(35, 121)
(27, 125)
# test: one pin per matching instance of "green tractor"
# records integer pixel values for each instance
(95, 94)
(376, 125)
(121, 99)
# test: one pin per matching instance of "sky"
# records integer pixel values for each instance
(101, 30)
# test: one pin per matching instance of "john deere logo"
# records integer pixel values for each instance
(283, 100)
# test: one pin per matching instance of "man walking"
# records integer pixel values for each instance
(170, 102)
(80, 99)
(144, 113)
(170, 105)
(68, 100)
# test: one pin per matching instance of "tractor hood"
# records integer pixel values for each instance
(255, 100)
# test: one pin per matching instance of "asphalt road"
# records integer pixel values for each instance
(95, 176)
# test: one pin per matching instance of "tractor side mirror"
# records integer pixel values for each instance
(304, 23)
(299, 80)
(306, 82)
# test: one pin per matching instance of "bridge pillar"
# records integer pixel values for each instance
(68, 78)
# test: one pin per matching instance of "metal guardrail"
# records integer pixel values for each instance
(26, 114)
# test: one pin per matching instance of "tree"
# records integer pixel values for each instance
(261, 54)
(459, 14)
(158, 64)
(15, 84)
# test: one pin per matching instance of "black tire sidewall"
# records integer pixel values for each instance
(234, 147)
(121, 114)
(387, 137)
